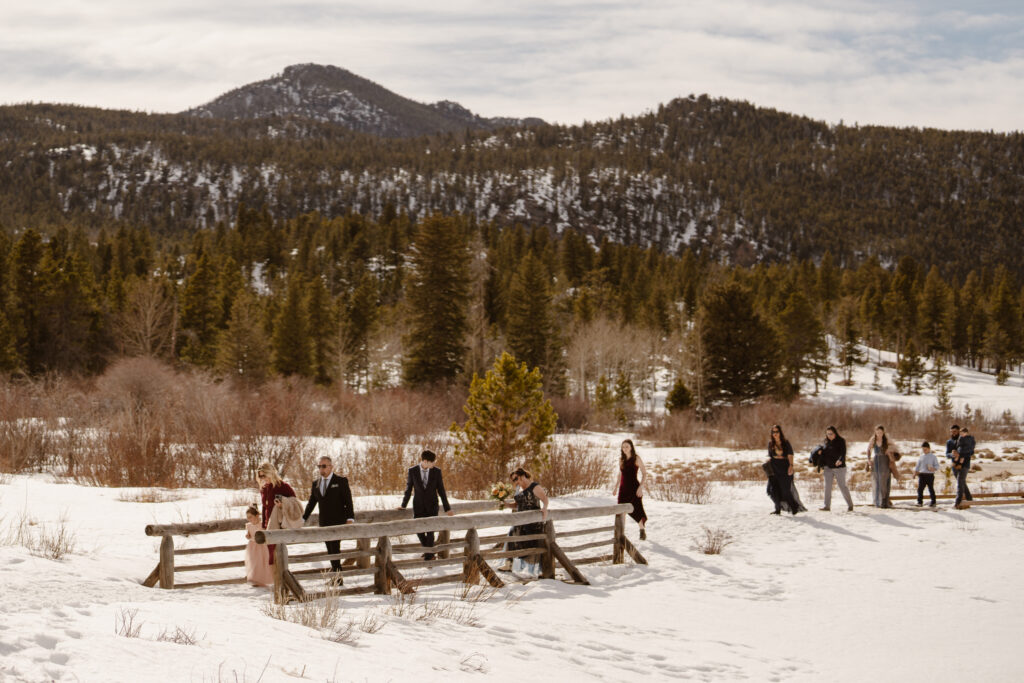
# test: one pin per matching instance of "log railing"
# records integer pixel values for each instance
(165, 572)
(466, 553)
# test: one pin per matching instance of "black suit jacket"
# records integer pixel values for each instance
(335, 506)
(424, 498)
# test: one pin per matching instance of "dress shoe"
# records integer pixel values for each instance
(825, 509)
(428, 556)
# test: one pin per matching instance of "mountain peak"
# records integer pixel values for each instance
(332, 94)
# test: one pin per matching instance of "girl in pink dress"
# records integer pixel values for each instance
(257, 557)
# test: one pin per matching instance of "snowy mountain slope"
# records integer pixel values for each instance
(331, 94)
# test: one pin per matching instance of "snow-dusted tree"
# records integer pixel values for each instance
(941, 380)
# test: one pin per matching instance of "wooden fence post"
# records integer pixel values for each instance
(444, 536)
(547, 566)
(381, 580)
(167, 562)
(363, 544)
(470, 573)
(619, 549)
(280, 569)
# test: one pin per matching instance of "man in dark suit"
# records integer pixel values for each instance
(425, 483)
(331, 492)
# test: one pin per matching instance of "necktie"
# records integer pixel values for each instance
(323, 486)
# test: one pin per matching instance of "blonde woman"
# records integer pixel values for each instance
(271, 486)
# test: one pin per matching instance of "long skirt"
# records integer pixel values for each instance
(881, 480)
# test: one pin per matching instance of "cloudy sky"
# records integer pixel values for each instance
(905, 62)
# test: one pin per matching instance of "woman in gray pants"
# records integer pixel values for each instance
(833, 459)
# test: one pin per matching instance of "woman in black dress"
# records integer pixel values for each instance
(631, 486)
(780, 458)
(530, 496)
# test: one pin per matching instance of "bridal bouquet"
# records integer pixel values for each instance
(500, 492)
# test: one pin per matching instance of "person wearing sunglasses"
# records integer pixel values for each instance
(332, 493)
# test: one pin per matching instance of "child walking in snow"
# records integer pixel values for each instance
(927, 466)
(257, 557)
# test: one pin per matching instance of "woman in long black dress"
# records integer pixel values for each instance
(530, 496)
(631, 486)
(780, 457)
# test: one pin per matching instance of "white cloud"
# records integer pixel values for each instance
(906, 63)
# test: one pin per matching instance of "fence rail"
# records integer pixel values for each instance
(384, 562)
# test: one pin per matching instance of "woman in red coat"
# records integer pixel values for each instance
(271, 485)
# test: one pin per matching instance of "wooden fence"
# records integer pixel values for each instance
(466, 552)
(980, 499)
(167, 569)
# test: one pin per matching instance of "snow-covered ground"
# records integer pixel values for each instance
(904, 594)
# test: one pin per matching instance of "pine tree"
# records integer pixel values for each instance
(849, 351)
(357, 325)
(290, 341)
(27, 290)
(679, 398)
(741, 353)
(909, 371)
(9, 360)
(942, 380)
(437, 297)
(530, 325)
(243, 352)
(804, 350)
(200, 314)
(322, 325)
(1003, 336)
(508, 421)
(936, 300)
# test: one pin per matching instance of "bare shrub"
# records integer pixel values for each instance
(574, 465)
(383, 466)
(323, 614)
(713, 541)
(149, 495)
(24, 445)
(55, 542)
(573, 413)
(127, 623)
(681, 487)
(371, 623)
(179, 635)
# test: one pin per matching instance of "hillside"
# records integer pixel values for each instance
(732, 181)
(334, 95)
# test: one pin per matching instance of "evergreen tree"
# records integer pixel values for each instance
(357, 325)
(909, 371)
(437, 297)
(740, 348)
(936, 300)
(679, 398)
(71, 315)
(9, 360)
(942, 380)
(1003, 336)
(322, 324)
(804, 350)
(849, 351)
(28, 284)
(290, 341)
(243, 352)
(530, 327)
(200, 314)
(508, 421)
